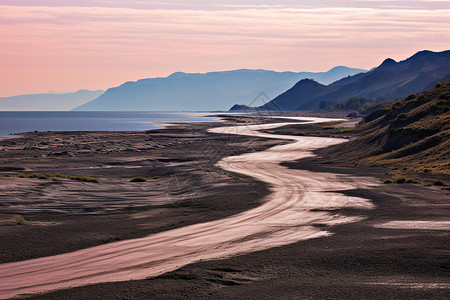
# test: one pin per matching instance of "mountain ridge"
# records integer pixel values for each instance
(48, 101)
(204, 91)
(389, 81)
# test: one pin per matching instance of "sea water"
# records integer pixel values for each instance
(20, 122)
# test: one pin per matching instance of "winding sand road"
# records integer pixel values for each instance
(285, 217)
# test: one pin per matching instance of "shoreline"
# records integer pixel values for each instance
(77, 121)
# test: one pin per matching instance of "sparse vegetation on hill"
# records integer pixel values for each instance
(354, 103)
(412, 133)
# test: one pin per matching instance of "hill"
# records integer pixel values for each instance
(390, 81)
(205, 92)
(47, 102)
(410, 134)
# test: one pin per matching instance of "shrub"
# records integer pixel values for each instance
(386, 181)
(57, 175)
(346, 130)
(411, 96)
(138, 179)
(89, 179)
(438, 183)
(33, 175)
(443, 96)
(301, 133)
(354, 103)
(156, 177)
(396, 105)
(401, 116)
(438, 85)
(253, 192)
(84, 178)
(400, 179)
(20, 220)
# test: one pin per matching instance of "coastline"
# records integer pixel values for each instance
(26, 122)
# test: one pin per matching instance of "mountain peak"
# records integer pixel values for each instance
(422, 53)
(388, 62)
(338, 68)
(176, 74)
(308, 81)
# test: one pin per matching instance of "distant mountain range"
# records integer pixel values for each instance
(390, 81)
(48, 101)
(204, 92)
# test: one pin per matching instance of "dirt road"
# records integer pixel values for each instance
(300, 207)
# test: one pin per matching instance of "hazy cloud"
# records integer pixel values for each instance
(95, 44)
(230, 4)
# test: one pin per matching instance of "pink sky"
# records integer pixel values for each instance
(67, 45)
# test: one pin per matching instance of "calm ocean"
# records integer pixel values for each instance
(18, 122)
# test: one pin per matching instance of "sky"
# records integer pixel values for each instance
(66, 45)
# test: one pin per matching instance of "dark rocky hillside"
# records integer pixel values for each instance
(410, 134)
